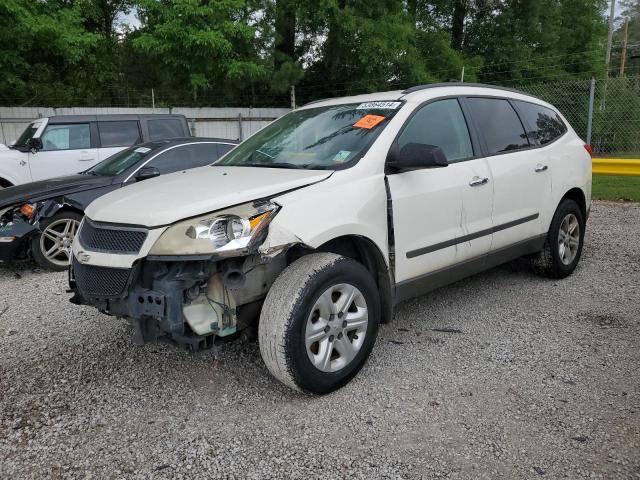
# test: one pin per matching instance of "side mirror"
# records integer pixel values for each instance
(415, 156)
(147, 172)
(35, 144)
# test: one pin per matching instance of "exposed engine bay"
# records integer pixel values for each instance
(184, 301)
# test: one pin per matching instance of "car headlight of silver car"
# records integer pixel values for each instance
(226, 232)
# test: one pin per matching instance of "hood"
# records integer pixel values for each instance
(50, 188)
(166, 199)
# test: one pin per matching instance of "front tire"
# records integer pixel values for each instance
(563, 245)
(319, 322)
(51, 248)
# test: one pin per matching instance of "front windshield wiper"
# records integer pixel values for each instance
(273, 165)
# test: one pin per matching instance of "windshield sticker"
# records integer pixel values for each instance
(142, 150)
(341, 156)
(379, 105)
(368, 121)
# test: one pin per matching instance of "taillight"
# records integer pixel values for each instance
(588, 148)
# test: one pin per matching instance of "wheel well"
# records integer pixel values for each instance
(62, 209)
(368, 254)
(577, 195)
(5, 183)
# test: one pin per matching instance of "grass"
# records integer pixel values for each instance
(606, 187)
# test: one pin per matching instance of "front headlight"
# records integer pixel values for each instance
(228, 232)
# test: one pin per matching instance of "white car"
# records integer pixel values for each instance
(313, 229)
(67, 144)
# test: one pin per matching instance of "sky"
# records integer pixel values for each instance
(131, 19)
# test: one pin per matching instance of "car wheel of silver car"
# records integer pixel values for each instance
(319, 322)
(51, 248)
(563, 245)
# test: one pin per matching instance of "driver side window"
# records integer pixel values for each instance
(66, 137)
(441, 124)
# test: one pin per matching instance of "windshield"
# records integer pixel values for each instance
(317, 138)
(121, 161)
(27, 135)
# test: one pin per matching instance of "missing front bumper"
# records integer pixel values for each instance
(188, 302)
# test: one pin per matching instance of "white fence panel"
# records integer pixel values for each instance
(232, 123)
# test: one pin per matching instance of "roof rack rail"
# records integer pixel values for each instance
(462, 84)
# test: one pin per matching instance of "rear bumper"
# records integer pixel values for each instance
(14, 239)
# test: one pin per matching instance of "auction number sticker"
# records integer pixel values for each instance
(382, 105)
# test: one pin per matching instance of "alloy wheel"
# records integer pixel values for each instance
(568, 238)
(56, 240)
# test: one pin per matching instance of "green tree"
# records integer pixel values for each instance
(42, 49)
(200, 44)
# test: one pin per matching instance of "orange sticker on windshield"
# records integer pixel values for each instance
(368, 121)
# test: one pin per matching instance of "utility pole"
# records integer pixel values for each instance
(624, 47)
(610, 35)
(293, 97)
(462, 75)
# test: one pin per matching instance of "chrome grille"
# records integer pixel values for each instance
(100, 281)
(111, 239)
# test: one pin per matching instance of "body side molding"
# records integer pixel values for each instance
(471, 236)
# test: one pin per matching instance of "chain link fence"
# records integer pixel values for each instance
(604, 112)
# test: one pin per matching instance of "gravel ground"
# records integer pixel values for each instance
(503, 375)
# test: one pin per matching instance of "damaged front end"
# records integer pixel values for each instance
(167, 287)
(17, 227)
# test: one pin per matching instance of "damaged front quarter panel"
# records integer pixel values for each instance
(278, 240)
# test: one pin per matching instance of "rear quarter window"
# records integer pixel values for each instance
(543, 124)
(165, 128)
(224, 148)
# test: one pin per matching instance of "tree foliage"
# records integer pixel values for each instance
(250, 52)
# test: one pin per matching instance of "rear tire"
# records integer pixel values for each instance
(563, 245)
(319, 322)
(51, 248)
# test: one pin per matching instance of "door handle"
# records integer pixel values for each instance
(477, 181)
(541, 168)
(86, 159)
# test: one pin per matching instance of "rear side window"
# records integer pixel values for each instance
(499, 124)
(184, 157)
(441, 124)
(543, 124)
(119, 134)
(165, 128)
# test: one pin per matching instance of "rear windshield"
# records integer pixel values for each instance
(325, 138)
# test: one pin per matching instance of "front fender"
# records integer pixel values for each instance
(339, 206)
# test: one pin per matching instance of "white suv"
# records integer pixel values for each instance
(312, 230)
(66, 144)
